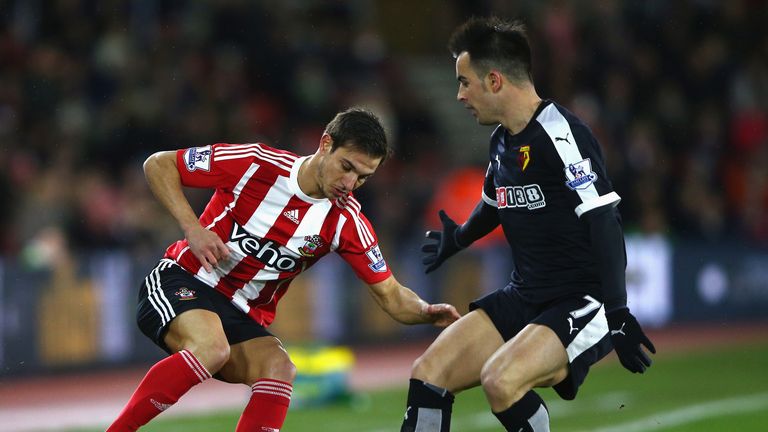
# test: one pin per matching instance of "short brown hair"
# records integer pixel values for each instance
(493, 43)
(361, 129)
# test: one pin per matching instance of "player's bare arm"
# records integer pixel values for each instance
(405, 306)
(197, 318)
(163, 177)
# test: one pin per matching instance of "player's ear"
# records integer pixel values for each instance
(326, 143)
(496, 80)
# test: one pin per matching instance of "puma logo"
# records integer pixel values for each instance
(563, 139)
(406, 413)
(619, 331)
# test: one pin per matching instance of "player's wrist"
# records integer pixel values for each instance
(457, 242)
(617, 313)
(189, 227)
(424, 311)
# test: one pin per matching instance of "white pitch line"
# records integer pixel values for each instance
(557, 408)
(691, 413)
(659, 421)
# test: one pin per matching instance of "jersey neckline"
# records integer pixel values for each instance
(294, 183)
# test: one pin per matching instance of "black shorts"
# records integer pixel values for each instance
(169, 290)
(578, 320)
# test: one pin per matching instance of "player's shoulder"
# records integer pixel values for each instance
(556, 118)
(255, 152)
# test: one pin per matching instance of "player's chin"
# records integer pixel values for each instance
(334, 194)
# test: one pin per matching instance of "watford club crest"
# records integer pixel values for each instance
(311, 243)
(524, 158)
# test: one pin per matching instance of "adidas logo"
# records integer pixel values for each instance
(269, 429)
(293, 215)
(159, 405)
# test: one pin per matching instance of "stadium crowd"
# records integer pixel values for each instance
(677, 93)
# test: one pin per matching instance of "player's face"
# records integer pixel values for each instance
(343, 170)
(473, 92)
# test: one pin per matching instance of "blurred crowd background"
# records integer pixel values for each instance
(676, 92)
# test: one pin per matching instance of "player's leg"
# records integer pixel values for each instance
(256, 359)
(199, 332)
(263, 364)
(451, 363)
(173, 312)
(555, 350)
(533, 358)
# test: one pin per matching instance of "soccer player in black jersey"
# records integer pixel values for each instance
(565, 307)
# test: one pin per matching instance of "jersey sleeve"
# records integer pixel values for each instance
(581, 160)
(489, 195)
(489, 188)
(359, 247)
(596, 190)
(208, 167)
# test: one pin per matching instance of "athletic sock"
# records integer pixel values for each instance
(267, 408)
(161, 387)
(529, 414)
(429, 408)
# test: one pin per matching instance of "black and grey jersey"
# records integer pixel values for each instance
(542, 180)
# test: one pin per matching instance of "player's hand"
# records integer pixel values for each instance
(627, 336)
(207, 247)
(440, 245)
(441, 314)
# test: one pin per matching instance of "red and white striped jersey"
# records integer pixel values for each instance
(273, 230)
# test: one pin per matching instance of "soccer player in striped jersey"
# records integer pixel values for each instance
(272, 215)
(566, 306)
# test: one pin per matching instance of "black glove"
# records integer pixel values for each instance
(444, 248)
(627, 336)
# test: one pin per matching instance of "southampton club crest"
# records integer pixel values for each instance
(311, 243)
(185, 294)
(580, 175)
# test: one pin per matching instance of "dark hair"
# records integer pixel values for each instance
(493, 43)
(361, 129)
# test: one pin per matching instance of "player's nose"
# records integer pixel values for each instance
(460, 95)
(348, 181)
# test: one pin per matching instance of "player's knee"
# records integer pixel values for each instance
(423, 369)
(279, 368)
(429, 369)
(213, 353)
(217, 353)
(501, 388)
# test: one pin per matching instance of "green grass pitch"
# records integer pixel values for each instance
(703, 391)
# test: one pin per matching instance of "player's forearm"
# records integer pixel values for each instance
(402, 304)
(165, 183)
(483, 220)
(410, 308)
(608, 244)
